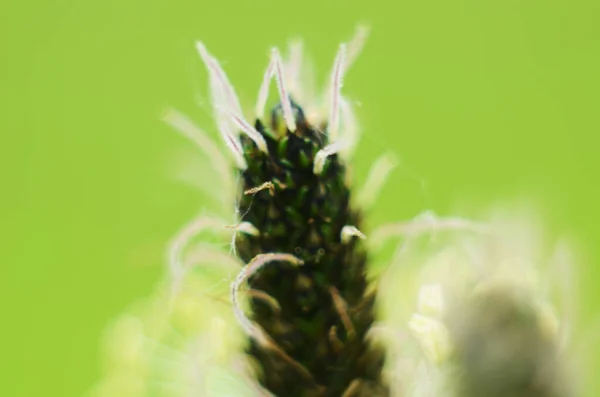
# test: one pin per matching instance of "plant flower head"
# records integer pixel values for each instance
(277, 302)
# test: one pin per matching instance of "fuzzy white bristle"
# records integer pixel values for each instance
(336, 82)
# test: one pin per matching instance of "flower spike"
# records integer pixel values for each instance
(337, 75)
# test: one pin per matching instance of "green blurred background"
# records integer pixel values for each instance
(481, 100)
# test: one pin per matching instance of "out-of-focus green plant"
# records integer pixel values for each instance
(488, 312)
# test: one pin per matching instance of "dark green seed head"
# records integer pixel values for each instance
(304, 214)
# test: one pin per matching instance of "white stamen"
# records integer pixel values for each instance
(427, 222)
(293, 67)
(234, 145)
(286, 103)
(247, 228)
(306, 94)
(185, 235)
(322, 155)
(195, 134)
(350, 231)
(349, 126)
(229, 133)
(223, 97)
(378, 174)
(263, 92)
(212, 256)
(205, 255)
(252, 329)
(336, 82)
(249, 130)
(219, 80)
(353, 50)
(356, 44)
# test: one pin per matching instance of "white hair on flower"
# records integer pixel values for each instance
(227, 108)
(376, 178)
(340, 111)
(252, 329)
(294, 80)
(180, 243)
(275, 69)
(191, 131)
(247, 228)
(426, 223)
(336, 81)
(350, 231)
(263, 92)
(349, 127)
(356, 44)
(322, 155)
(221, 89)
(185, 236)
(345, 57)
(293, 66)
(248, 129)
(286, 103)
